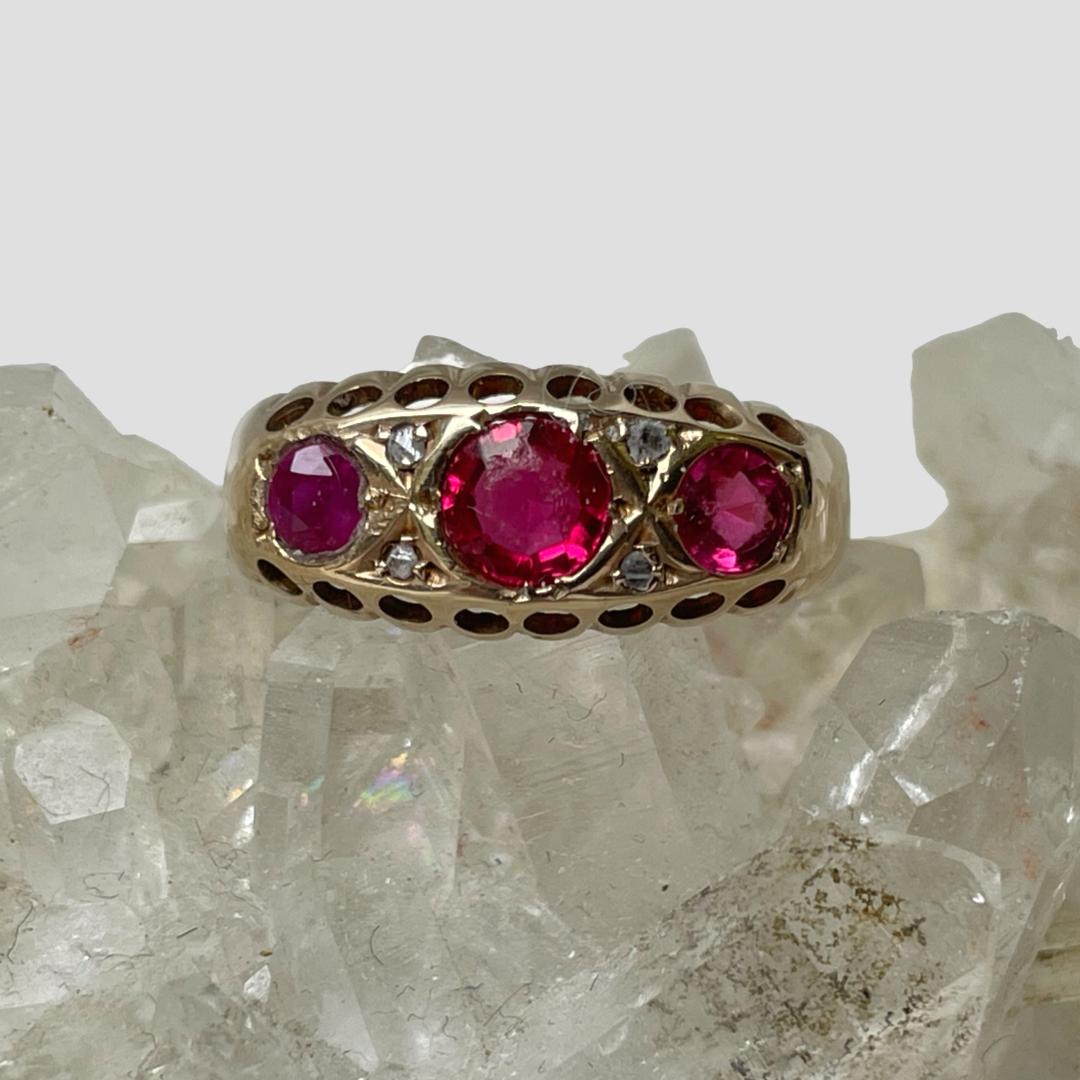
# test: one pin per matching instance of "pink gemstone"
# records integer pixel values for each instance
(525, 501)
(736, 508)
(314, 496)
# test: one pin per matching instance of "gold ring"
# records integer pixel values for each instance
(498, 499)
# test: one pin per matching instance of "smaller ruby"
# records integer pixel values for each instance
(736, 508)
(314, 496)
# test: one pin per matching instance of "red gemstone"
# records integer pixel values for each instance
(736, 508)
(525, 501)
(314, 496)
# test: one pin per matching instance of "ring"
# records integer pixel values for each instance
(496, 499)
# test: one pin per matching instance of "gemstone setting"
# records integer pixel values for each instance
(735, 509)
(406, 445)
(647, 441)
(637, 571)
(401, 560)
(314, 499)
(524, 501)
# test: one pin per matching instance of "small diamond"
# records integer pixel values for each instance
(637, 571)
(406, 446)
(647, 441)
(401, 561)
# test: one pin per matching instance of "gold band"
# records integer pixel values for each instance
(401, 429)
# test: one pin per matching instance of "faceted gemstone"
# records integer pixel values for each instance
(525, 501)
(637, 571)
(406, 446)
(647, 441)
(736, 508)
(314, 497)
(401, 560)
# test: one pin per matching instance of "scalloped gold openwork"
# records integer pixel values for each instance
(398, 566)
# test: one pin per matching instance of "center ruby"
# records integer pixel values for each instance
(525, 501)
(736, 508)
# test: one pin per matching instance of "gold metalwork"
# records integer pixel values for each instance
(449, 401)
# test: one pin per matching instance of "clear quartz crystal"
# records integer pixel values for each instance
(246, 838)
(832, 953)
(1002, 400)
(788, 659)
(972, 740)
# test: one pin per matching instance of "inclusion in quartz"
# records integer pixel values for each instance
(736, 507)
(887, 932)
(524, 501)
(962, 729)
(833, 954)
(314, 498)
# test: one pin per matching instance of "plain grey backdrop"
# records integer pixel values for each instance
(203, 203)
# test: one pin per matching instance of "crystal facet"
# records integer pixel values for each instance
(1015, 541)
(735, 509)
(525, 501)
(788, 658)
(315, 496)
(75, 767)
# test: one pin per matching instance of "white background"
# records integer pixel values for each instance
(204, 203)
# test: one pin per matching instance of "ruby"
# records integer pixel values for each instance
(736, 508)
(314, 496)
(525, 501)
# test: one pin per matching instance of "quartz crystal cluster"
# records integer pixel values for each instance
(833, 841)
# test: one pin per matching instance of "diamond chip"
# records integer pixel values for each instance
(401, 561)
(647, 441)
(638, 571)
(406, 445)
